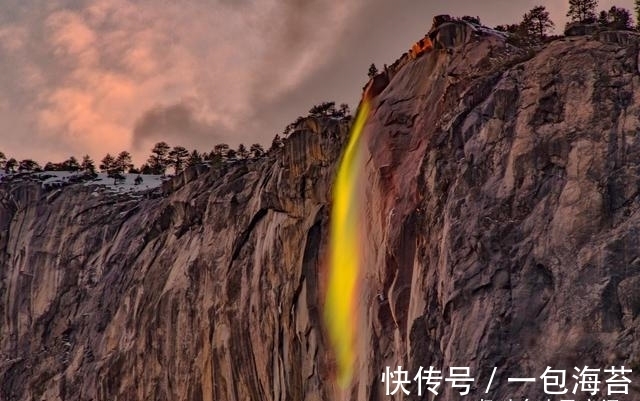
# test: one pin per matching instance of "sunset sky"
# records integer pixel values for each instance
(101, 76)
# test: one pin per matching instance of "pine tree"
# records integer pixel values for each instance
(71, 164)
(276, 143)
(603, 18)
(473, 20)
(88, 165)
(118, 177)
(214, 159)
(509, 28)
(256, 150)
(10, 166)
(194, 159)
(583, 11)
(221, 150)
(146, 169)
(3, 160)
(177, 158)
(231, 155)
(344, 110)
(616, 18)
(323, 109)
(159, 159)
(107, 163)
(636, 8)
(536, 23)
(373, 70)
(620, 18)
(242, 152)
(28, 165)
(123, 163)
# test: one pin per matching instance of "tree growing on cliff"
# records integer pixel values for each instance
(213, 159)
(242, 152)
(583, 11)
(118, 177)
(323, 109)
(10, 166)
(159, 159)
(473, 20)
(616, 18)
(219, 154)
(221, 149)
(107, 163)
(88, 165)
(603, 18)
(344, 110)
(292, 126)
(276, 143)
(177, 158)
(373, 70)
(509, 28)
(123, 162)
(232, 155)
(256, 150)
(536, 23)
(517, 35)
(28, 165)
(195, 158)
(71, 164)
(146, 169)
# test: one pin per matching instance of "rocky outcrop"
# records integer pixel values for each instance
(623, 38)
(501, 195)
(604, 34)
(581, 29)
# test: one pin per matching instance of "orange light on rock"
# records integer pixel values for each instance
(420, 47)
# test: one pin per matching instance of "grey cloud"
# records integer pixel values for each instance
(304, 29)
(177, 124)
(298, 18)
(235, 3)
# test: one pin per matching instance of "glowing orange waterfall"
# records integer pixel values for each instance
(345, 261)
(345, 257)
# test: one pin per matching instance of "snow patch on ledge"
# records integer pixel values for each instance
(149, 181)
(102, 182)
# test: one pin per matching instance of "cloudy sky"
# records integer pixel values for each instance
(97, 76)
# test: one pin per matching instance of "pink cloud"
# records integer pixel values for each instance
(70, 35)
(12, 38)
(114, 60)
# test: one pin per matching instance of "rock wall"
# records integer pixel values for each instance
(503, 194)
(207, 293)
(501, 190)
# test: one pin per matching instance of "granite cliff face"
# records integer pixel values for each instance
(501, 187)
